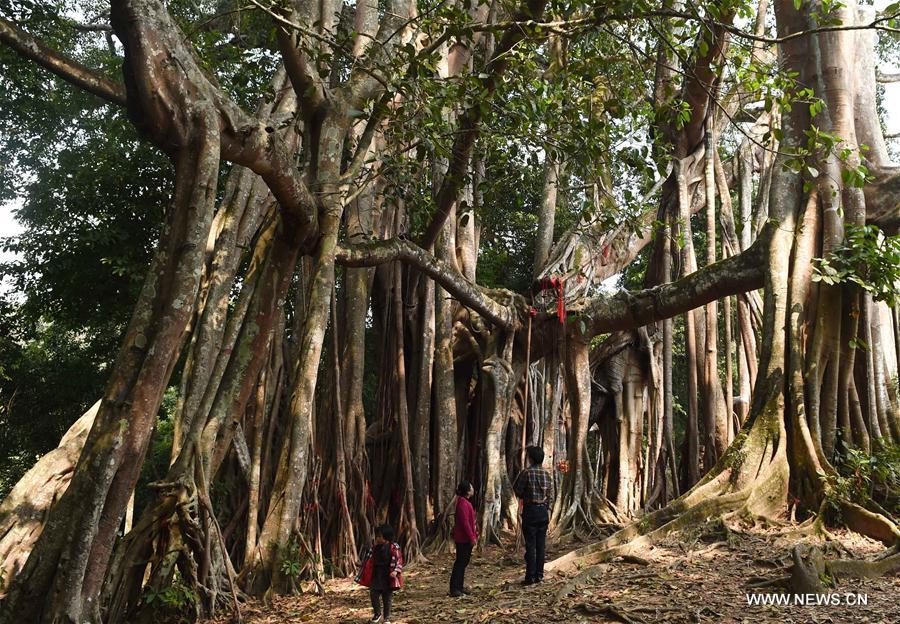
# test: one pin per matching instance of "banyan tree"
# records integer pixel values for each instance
(404, 240)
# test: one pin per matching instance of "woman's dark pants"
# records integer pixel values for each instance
(463, 556)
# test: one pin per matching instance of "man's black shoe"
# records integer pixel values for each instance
(456, 594)
(466, 591)
(528, 582)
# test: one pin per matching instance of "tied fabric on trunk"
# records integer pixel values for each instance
(558, 285)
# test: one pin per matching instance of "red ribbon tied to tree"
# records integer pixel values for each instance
(558, 284)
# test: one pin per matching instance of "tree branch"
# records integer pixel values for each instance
(309, 87)
(505, 314)
(166, 99)
(887, 77)
(584, 21)
(600, 314)
(627, 309)
(365, 139)
(81, 27)
(365, 82)
(69, 70)
(608, 251)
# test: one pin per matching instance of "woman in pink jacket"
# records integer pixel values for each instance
(465, 536)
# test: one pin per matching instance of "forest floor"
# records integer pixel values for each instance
(702, 577)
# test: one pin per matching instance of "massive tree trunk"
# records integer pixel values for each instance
(579, 501)
(421, 422)
(715, 410)
(184, 122)
(182, 512)
(692, 431)
(81, 527)
(450, 371)
(778, 448)
(284, 509)
(230, 348)
(445, 408)
(498, 384)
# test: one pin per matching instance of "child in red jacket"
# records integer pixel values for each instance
(465, 536)
(382, 572)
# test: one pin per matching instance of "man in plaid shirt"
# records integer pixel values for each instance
(534, 486)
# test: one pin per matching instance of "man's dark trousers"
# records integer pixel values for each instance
(535, 519)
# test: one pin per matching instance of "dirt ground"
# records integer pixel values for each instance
(704, 577)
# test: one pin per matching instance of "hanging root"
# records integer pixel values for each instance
(439, 539)
(588, 518)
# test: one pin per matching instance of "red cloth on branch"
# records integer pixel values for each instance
(558, 284)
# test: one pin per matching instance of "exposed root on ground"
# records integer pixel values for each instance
(811, 571)
(751, 480)
(871, 524)
(613, 611)
(686, 578)
(585, 577)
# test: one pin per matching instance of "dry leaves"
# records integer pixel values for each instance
(680, 581)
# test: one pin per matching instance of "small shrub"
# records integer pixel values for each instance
(863, 477)
(177, 599)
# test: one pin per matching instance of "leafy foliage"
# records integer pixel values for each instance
(48, 377)
(867, 258)
(297, 557)
(93, 197)
(176, 600)
(864, 477)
